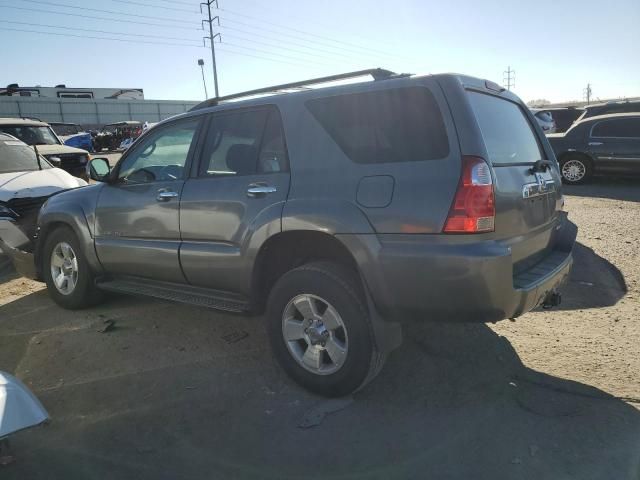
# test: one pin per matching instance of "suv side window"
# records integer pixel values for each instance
(618, 128)
(244, 143)
(395, 125)
(161, 155)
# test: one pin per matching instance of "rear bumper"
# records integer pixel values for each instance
(429, 278)
(15, 244)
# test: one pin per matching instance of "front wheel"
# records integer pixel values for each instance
(575, 170)
(320, 330)
(66, 271)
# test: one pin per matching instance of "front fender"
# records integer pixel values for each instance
(76, 210)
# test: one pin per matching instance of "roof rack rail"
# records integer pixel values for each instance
(376, 74)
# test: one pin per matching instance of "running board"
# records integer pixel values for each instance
(175, 292)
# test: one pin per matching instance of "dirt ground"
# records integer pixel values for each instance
(182, 392)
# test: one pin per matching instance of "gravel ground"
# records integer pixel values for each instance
(182, 392)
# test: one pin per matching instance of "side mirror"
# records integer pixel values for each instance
(55, 161)
(99, 169)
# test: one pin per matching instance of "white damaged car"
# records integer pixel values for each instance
(27, 180)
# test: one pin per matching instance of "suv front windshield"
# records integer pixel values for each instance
(17, 157)
(32, 135)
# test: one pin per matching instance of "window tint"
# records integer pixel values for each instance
(161, 155)
(399, 125)
(244, 143)
(507, 132)
(620, 127)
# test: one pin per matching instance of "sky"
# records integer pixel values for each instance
(555, 47)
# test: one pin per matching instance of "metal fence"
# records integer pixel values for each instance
(91, 113)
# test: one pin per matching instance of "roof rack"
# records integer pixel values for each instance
(376, 74)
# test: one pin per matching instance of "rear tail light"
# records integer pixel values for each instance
(473, 209)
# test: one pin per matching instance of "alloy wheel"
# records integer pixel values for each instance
(315, 334)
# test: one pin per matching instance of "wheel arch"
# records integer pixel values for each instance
(290, 249)
(75, 220)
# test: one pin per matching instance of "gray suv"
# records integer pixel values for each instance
(337, 211)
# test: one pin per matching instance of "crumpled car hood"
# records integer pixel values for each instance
(38, 183)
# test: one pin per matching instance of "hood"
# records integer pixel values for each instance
(38, 183)
(58, 150)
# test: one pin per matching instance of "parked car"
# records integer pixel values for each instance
(32, 132)
(545, 120)
(599, 145)
(564, 117)
(337, 211)
(626, 106)
(73, 135)
(26, 182)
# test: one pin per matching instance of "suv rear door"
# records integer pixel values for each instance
(527, 201)
(236, 193)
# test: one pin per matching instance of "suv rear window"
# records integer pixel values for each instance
(396, 125)
(507, 132)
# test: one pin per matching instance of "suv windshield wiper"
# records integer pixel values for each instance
(541, 166)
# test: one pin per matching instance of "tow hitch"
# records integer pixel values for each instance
(553, 299)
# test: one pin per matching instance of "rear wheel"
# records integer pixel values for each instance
(66, 271)
(320, 329)
(575, 170)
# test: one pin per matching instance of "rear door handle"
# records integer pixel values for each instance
(259, 190)
(595, 144)
(166, 195)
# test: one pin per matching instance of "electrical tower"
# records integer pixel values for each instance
(509, 78)
(212, 38)
(587, 93)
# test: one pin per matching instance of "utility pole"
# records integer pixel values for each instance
(587, 92)
(211, 38)
(509, 78)
(201, 63)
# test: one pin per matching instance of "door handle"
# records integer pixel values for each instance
(166, 195)
(259, 190)
(595, 144)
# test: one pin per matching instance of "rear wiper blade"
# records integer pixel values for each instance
(541, 166)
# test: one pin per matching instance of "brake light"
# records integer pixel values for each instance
(473, 209)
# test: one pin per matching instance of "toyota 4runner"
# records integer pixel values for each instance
(337, 211)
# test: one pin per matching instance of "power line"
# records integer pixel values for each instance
(313, 49)
(113, 12)
(129, 2)
(100, 38)
(100, 31)
(323, 37)
(224, 48)
(93, 17)
(269, 44)
(274, 54)
(298, 37)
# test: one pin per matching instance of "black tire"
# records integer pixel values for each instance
(578, 160)
(343, 291)
(85, 293)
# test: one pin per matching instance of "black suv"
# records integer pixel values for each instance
(606, 144)
(338, 211)
(626, 106)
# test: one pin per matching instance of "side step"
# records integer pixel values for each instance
(175, 292)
